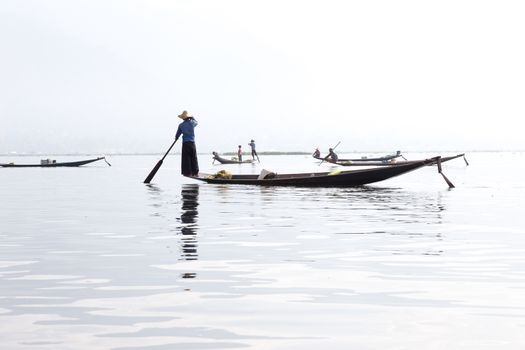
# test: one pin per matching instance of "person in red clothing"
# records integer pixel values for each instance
(239, 154)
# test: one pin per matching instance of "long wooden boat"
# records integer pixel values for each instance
(53, 165)
(348, 178)
(217, 157)
(386, 163)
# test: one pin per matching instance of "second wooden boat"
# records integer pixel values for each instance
(384, 159)
(386, 163)
(53, 164)
(217, 157)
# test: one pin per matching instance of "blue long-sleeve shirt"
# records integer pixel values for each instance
(186, 129)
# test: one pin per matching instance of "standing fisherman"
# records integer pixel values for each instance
(189, 162)
(254, 152)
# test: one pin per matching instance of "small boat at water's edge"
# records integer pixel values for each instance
(348, 178)
(53, 164)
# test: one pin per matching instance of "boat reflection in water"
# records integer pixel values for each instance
(188, 222)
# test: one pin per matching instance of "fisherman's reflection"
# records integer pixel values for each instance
(188, 220)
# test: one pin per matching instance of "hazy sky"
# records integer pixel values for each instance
(111, 76)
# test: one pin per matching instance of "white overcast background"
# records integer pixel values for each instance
(111, 76)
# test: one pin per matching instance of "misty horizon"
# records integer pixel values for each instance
(111, 76)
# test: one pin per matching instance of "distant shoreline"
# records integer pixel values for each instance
(268, 153)
(246, 153)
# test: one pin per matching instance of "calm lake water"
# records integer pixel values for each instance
(91, 258)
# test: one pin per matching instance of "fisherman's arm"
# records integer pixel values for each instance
(179, 132)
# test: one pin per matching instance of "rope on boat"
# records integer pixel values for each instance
(105, 160)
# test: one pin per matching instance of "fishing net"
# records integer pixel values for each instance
(222, 174)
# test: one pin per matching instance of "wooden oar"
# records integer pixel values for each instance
(450, 185)
(158, 165)
(332, 150)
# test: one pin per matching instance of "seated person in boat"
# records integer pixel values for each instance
(316, 153)
(331, 155)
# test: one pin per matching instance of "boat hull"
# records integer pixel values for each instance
(349, 178)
